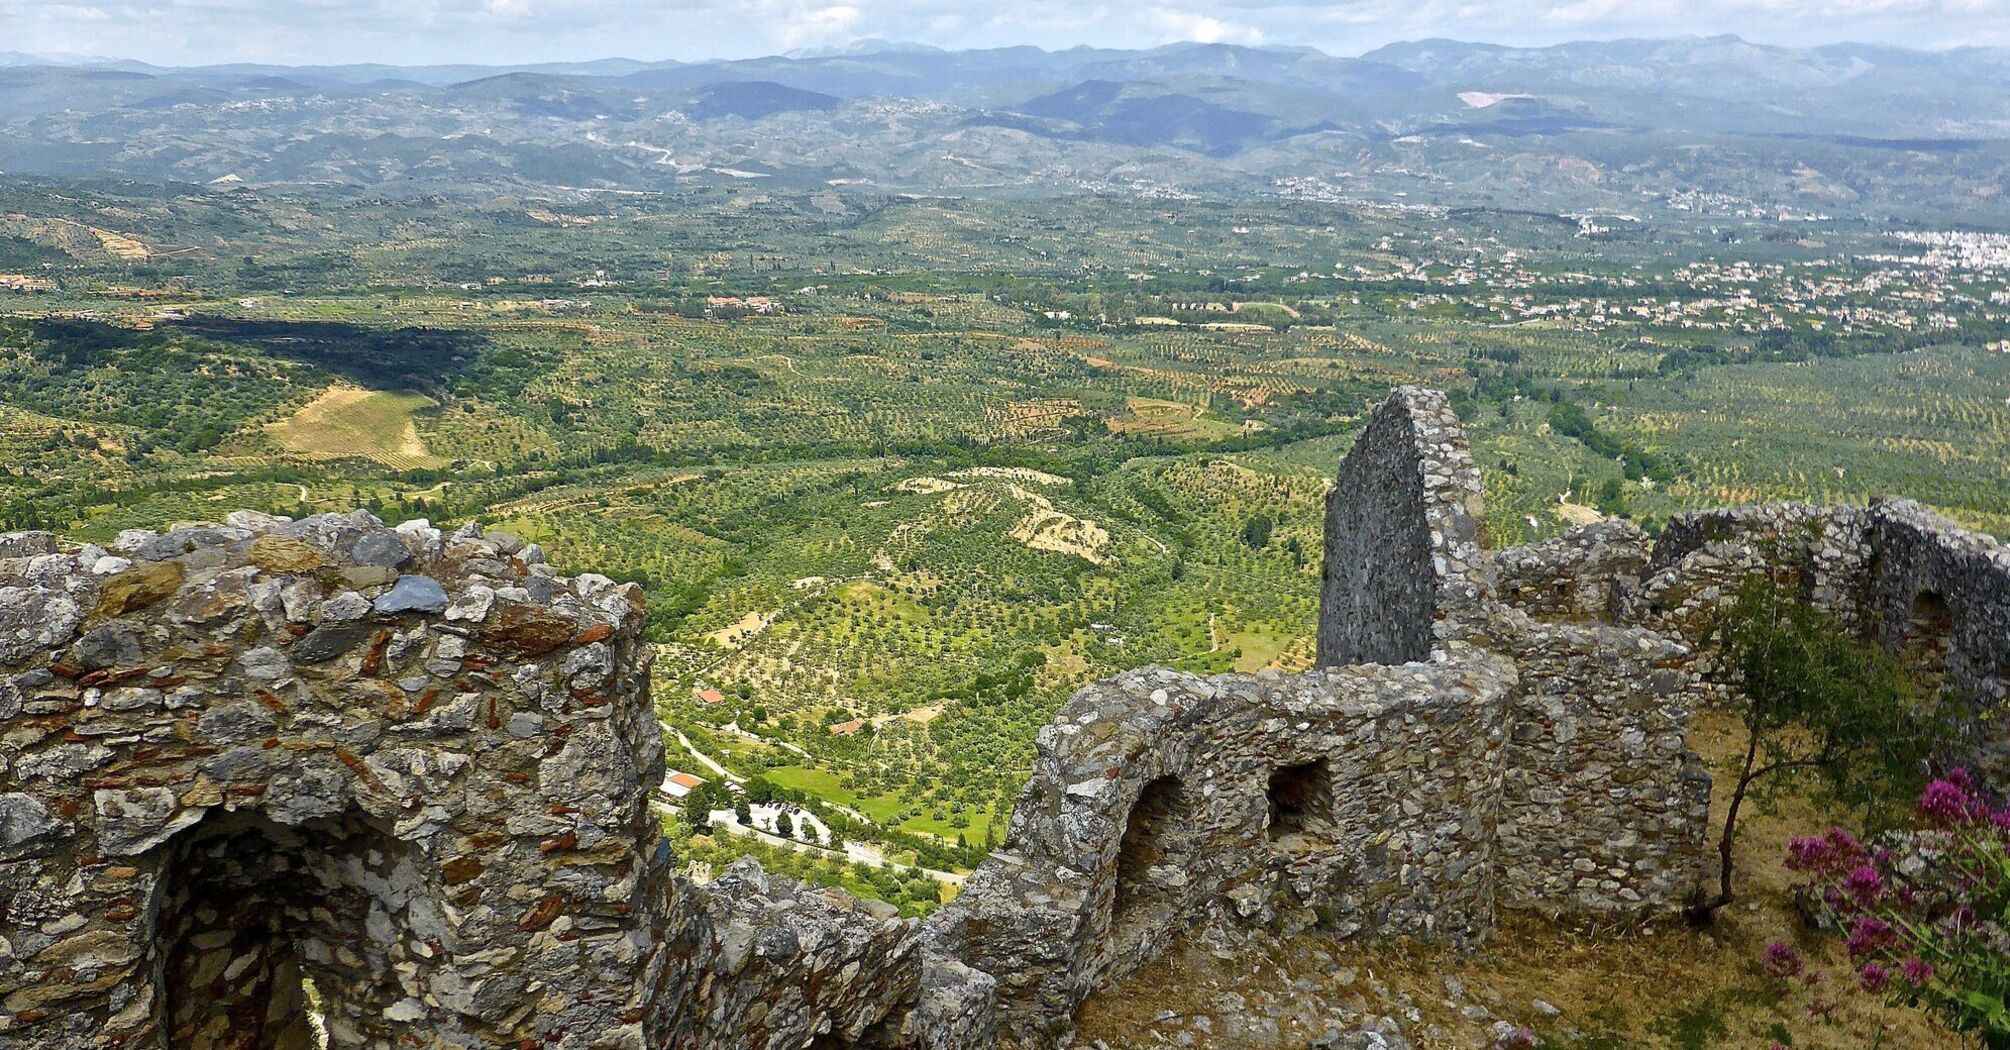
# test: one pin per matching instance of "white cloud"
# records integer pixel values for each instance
(794, 26)
(1206, 29)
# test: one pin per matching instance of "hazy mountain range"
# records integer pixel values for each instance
(1596, 125)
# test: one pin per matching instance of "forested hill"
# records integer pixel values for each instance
(1845, 129)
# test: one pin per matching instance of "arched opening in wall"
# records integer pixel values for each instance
(1302, 803)
(1928, 638)
(1158, 824)
(275, 937)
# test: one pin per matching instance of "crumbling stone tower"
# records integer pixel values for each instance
(397, 767)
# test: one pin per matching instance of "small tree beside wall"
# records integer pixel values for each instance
(1818, 707)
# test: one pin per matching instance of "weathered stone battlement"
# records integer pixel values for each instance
(409, 768)
(410, 771)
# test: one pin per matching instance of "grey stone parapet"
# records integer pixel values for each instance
(409, 767)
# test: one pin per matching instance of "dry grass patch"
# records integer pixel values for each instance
(739, 632)
(351, 421)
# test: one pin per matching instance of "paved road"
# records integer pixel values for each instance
(763, 816)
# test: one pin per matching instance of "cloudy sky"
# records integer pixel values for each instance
(513, 31)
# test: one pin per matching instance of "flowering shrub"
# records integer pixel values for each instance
(1926, 912)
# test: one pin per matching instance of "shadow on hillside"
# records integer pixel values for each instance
(377, 358)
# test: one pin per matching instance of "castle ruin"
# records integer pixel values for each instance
(266, 783)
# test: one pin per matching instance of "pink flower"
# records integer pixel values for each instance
(1864, 883)
(1783, 959)
(1944, 802)
(1870, 935)
(1917, 971)
(1873, 977)
(1805, 852)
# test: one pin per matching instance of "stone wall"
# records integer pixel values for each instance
(1541, 765)
(1362, 798)
(409, 768)
(1701, 558)
(1403, 569)
(1902, 576)
(767, 961)
(288, 746)
(1581, 575)
(1939, 595)
(1604, 807)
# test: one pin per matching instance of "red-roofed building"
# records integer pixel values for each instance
(677, 785)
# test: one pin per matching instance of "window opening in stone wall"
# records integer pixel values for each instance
(1929, 637)
(1301, 801)
(268, 936)
(1155, 822)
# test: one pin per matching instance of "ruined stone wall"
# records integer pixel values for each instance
(1700, 559)
(1362, 798)
(409, 768)
(1404, 570)
(412, 769)
(1582, 575)
(1939, 595)
(1604, 806)
(1482, 753)
(1924, 588)
(270, 745)
(766, 961)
